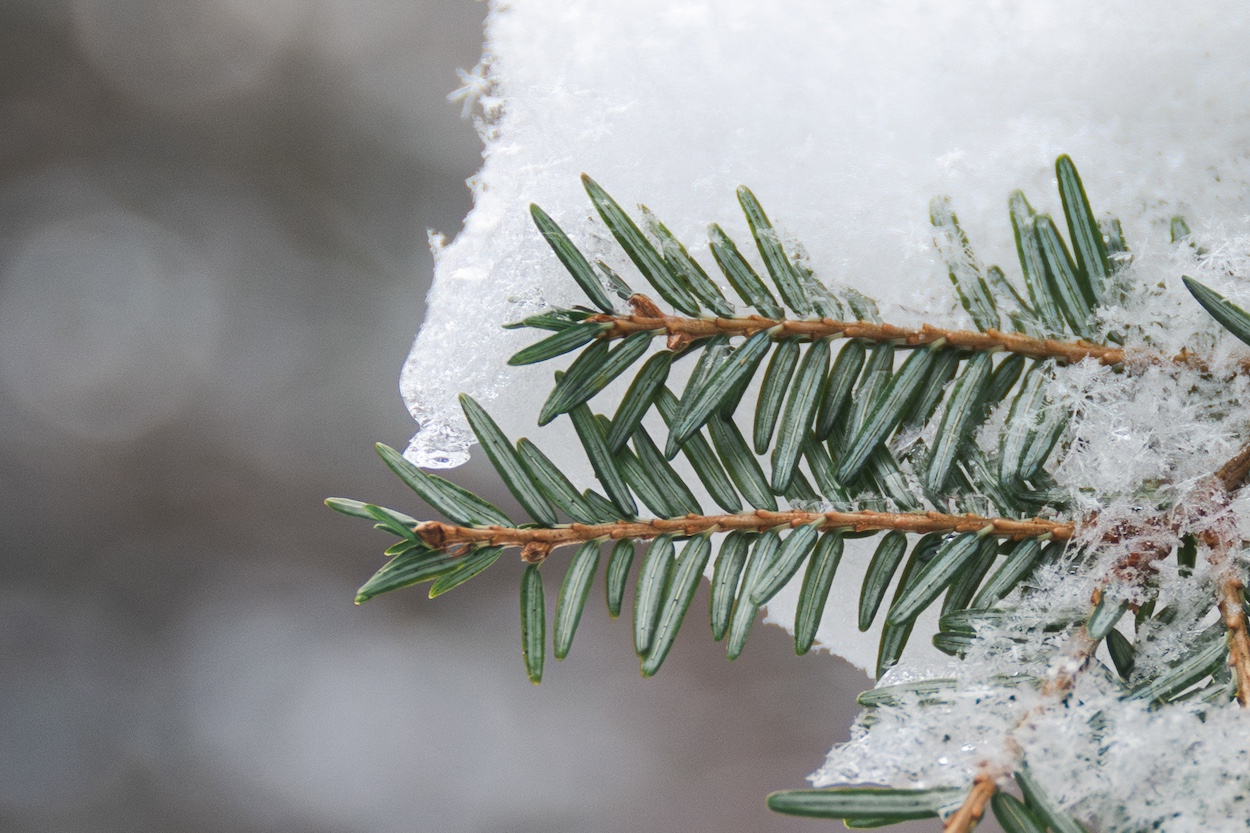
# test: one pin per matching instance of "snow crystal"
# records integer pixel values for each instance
(1186, 769)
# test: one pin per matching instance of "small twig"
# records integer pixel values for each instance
(1232, 475)
(970, 812)
(1206, 504)
(687, 329)
(440, 535)
(1077, 653)
(1238, 636)
(681, 331)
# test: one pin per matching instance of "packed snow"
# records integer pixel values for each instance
(845, 119)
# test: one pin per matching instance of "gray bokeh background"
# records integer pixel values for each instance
(212, 264)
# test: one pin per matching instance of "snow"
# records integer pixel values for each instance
(845, 119)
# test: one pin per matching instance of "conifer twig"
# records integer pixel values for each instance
(969, 813)
(648, 317)
(1075, 659)
(441, 535)
(1230, 478)
(1232, 475)
(1238, 637)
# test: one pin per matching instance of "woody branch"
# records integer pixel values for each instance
(543, 539)
(647, 317)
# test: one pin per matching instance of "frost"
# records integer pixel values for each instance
(1187, 771)
(846, 119)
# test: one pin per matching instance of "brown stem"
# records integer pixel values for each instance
(1238, 638)
(1077, 653)
(1207, 503)
(1080, 647)
(1232, 475)
(681, 331)
(543, 539)
(1234, 614)
(1221, 539)
(969, 813)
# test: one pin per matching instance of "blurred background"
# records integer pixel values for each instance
(213, 256)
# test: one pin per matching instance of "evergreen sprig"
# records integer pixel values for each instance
(877, 437)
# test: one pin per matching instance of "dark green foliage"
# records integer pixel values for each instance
(350, 508)
(1014, 816)
(875, 803)
(1021, 560)
(573, 593)
(725, 580)
(794, 549)
(858, 405)
(456, 503)
(1187, 555)
(1106, 613)
(1122, 653)
(417, 565)
(880, 572)
(591, 372)
(564, 341)
(687, 268)
(894, 636)
(969, 579)
(701, 403)
(799, 412)
(762, 554)
(702, 459)
(619, 562)
(837, 391)
(552, 483)
(1046, 304)
(656, 566)
(572, 258)
(952, 556)
(773, 391)
(965, 272)
(644, 485)
(602, 461)
(640, 251)
(740, 274)
(556, 320)
(396, 523)
(783, 272)
(892, 427)
(953, 643)
(639, 399)
(533, 622)
(1091, 252)
(678, 594)
(743, 468)
(815, 592)
(506, 461)
(1201, 661)
(470, 566)
(1233, 318)
(675, 490)
(963, 411)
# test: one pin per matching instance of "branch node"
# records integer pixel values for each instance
(970, 812)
